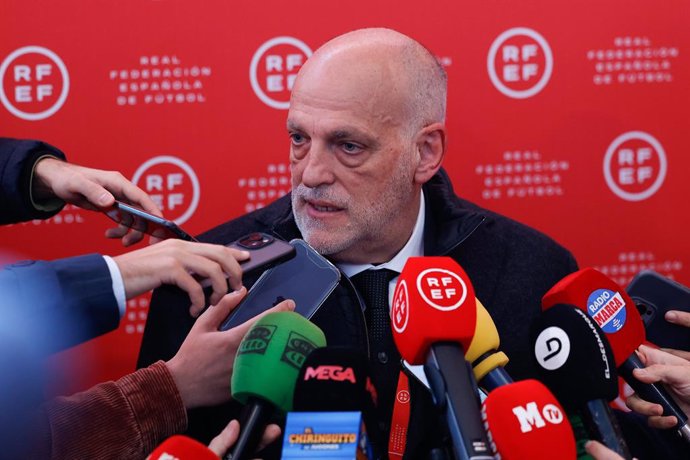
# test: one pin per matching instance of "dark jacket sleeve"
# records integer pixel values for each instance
(17, 159)
(61, 303)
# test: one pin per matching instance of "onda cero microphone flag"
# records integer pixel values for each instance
(433, 315)
(616, 314)
(268, 360)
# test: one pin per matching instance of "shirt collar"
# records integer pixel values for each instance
(413, 248)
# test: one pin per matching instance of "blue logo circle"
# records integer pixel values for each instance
(607, 308)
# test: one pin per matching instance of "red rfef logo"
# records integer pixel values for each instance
(635, 166)
(34, 83)
(337, 373)
(520, 62)
(172, 184)
(403, 396)
(400, 309)
(441, 289)
(274, 68)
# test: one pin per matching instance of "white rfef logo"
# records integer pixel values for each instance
(520, 62)
(529, 416)
(274, 68)
(552, 348)
(400, 310)
(33, 83)
(172, 184)
(635, 166)
(441, 289)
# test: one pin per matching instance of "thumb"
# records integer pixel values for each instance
(95, 194)
(211, 319)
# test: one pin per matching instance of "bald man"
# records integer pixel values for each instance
(367, 139)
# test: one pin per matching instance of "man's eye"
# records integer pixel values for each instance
(349, 147)
(297, 139)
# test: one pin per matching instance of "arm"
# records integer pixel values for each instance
(18, 158)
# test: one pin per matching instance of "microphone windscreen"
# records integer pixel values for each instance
(333, 379)
(606, 303)
(182, 448)
(271, 355)
(433, 302)
(525, 421)
(574, 358)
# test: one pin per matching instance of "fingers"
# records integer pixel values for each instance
(94, 193)
(600, 451)
(663, 423)
(222, 443)
(681, 318)
(124, 190)
(639, 405)
(685, 355)
(673, 375)
(650, 356)
(215, 315)
(271, 433)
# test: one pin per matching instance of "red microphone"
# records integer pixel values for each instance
(616, 314)
(433, 316)
(524, 420)
(182, 448)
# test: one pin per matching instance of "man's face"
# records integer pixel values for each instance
(352, 162)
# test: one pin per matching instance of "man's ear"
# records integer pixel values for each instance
(431, 146)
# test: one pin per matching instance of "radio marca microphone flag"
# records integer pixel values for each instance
(525, 421)
(268, 360)
(487, 362)
(180, 447)
(616, 314)
(575, 361)
(433, 316)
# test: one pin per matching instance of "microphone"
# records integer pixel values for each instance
(576, 362)
(266, 367)
(180, 447)
(525, 421)
(487, 362)
(336, 379)
(433, 316)
(616, 314)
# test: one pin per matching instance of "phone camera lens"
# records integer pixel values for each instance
(255, 241)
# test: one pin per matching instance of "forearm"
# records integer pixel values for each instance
(122, 419)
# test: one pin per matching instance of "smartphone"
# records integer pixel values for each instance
(265, 251)
(138, 219)
(654, 295)
(308, 279)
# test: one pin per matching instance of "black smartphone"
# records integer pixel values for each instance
(138, 219)
(308, 279)
(654, 295)
(265, 251)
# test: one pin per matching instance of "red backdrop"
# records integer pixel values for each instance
(571, 118)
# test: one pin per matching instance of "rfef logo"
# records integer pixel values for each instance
(520, 62)
(607, 308)
(34, 83)
(552, 348)
(172, 185)
(337, 373)
(530, 416)
(400, 309)
(441, 289)
(635, 166)
(274, 68)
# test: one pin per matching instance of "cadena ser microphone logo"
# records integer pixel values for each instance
(520, 62)
(172, 185)
(441, 289)
(635, 166)
(34, 83)
(274, 68)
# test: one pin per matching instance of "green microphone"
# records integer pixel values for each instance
(268, 360)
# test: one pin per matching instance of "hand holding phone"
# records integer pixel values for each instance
(137, 219)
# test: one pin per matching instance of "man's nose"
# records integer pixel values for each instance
(318, 166)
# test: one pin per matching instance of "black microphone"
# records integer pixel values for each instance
(575, 360)
(337, 379)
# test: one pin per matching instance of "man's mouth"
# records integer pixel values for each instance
(322, 206)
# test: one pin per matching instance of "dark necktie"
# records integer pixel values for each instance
(384, 357)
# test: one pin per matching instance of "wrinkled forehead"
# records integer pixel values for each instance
(366, 81)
